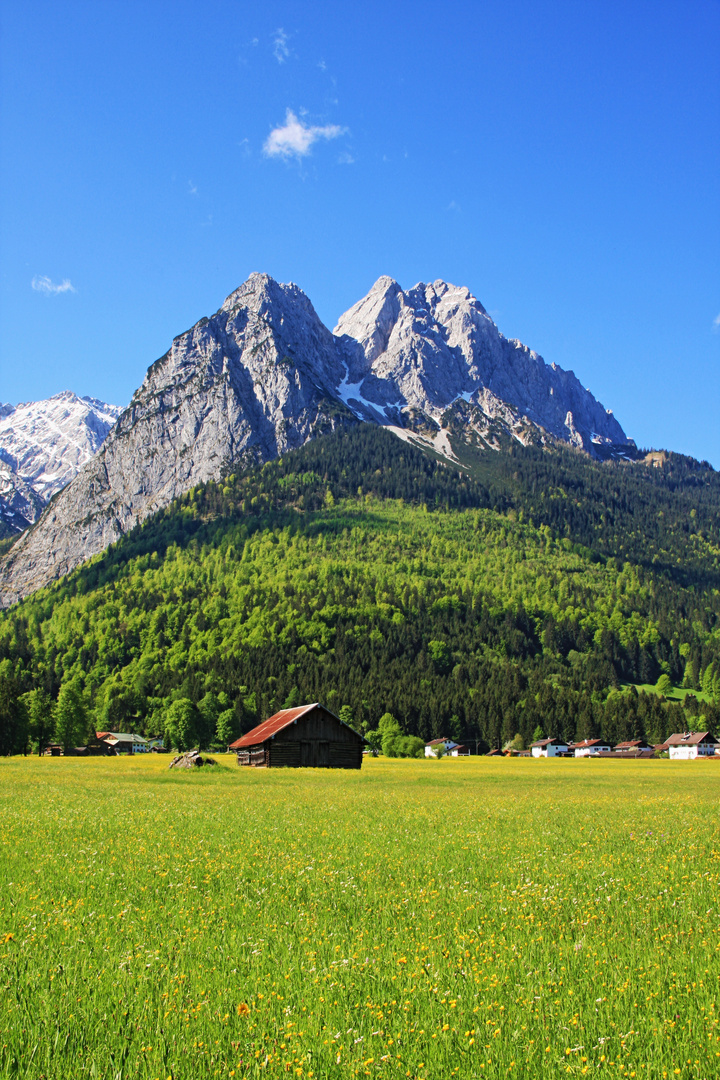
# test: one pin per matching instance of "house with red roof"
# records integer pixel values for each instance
(590, 747)
(634, 746)
(309, 736)
(549, 748)
(687, 745)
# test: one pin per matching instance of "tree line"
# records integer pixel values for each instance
(480, 604)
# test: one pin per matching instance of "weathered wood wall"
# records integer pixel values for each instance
(317, 740)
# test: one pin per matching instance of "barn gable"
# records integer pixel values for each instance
(310, 736)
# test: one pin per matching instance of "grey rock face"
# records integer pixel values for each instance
(435, 345)
(252, 382)
(43, 446)
(263, 375)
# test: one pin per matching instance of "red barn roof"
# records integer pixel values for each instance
(270, 727)
(279, 722)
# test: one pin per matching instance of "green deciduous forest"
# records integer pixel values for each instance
(519, 591)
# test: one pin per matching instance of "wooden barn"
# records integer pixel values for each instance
(307, 737)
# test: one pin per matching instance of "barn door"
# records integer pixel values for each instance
(323, 755)
(306, 755)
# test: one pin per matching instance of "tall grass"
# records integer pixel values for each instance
(417, 919)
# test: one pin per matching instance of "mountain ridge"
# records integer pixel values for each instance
(43, 446)
(263, 375)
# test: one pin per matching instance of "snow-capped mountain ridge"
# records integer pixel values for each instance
(263, 375)
(43, 446)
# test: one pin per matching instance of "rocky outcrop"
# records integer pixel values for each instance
(43, 446)
(190, 760)
(263, 375)
(427, 349)
(255, 380)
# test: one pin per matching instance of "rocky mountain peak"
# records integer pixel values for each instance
(433, 346)
(263, 375)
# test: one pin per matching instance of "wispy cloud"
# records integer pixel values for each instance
(716, 322)
(294, 138)
(346, 159)
(192, 189)
(43, 284)
(281, 49)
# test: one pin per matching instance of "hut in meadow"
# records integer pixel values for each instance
(306, 737)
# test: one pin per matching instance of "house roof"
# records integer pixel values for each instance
(689, 738)
(631, 744)
(271, 726)
(588, 742)
(279, 722)
(549, 742)
(438, 742)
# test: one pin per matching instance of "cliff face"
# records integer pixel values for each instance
(263, 375)
(251, 382)
(435, 345)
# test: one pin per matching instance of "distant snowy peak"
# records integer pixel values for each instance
(43, 446)
(435, 345)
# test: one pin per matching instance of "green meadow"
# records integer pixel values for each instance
(471, 918)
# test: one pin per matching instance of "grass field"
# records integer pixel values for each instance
(678, 693)
(478, 918)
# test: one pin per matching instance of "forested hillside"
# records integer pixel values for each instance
(518, 592)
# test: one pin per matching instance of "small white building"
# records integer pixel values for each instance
(459, 751)
(449, 748)
(123, 742)
(548, 748)
(589, 747)
(633, 746)
(687, 745)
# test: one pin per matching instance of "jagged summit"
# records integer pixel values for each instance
(263, 375)
(435, 345)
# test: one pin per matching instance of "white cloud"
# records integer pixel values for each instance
(281, 50)
(46, 285)
(716, 322)
(192, 189)
(346, 159)
(294, 138)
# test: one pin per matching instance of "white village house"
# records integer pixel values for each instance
(123, 742)
(590, 747)
(449, 747)
(633, 746)
(687, 745)
(548, 748)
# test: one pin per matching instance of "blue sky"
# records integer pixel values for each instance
(561, 159)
